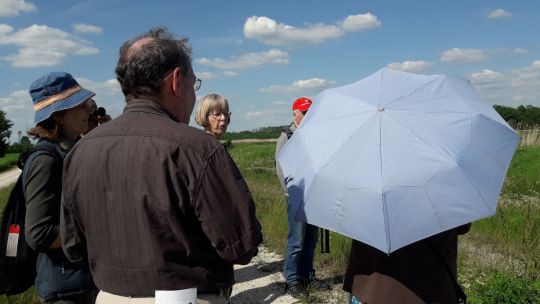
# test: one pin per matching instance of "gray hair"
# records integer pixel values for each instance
(208, 103)
(145, 60)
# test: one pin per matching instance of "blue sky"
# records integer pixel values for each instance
(264, 54)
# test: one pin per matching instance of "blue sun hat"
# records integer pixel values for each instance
(56, 91)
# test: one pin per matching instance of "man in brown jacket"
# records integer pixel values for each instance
(150, 202)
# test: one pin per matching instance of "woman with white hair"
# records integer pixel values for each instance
(213, 114)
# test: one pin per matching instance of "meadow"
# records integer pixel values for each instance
(499, 254)
(499, 259)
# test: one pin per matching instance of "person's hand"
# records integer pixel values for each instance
(103, 118)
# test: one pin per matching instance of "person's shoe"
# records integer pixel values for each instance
(317, 285)
(297, 290)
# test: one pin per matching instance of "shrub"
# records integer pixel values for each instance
(502, 288)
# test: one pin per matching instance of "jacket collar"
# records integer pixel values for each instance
(148, 106)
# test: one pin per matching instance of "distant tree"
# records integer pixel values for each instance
(523, 115)
(5, 132)
(24, 145)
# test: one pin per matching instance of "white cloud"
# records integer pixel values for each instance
(518, 86)
(499, 13)
(18, 108)
(360, 22)
(312, 84)
(486, 76)
(269, 31)
(206, 75)
(520, 51)
(109, 87)
(82, 28)
(252, 115)
(16, 101)
(12, 8)
(5, 29)
(410, 66)
(41, 45)
(464, 55)
(247, 61)
(230, 73)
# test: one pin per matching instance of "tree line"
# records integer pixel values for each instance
(524, 116)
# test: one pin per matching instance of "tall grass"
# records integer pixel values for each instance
(523, 177)
(530, 134)
(8, 161)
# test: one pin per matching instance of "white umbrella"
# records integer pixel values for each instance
(397, 157)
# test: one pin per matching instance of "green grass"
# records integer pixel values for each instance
(513, 232)
(515, 229)
(523, 175)
(8, 161)
(4, 195)
(28, 297)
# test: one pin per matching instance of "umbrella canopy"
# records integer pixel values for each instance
(397, 157)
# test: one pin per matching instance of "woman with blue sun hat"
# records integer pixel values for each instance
(61, 112)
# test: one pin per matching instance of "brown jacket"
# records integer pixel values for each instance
(410, 275)
(154, 204)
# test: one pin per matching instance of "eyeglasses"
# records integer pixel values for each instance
(218, 115)
(197, 84)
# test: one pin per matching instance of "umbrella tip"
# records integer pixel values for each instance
(380, 108)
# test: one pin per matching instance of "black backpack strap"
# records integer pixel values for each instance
(43, 147)
(461, 296)
(288, 132)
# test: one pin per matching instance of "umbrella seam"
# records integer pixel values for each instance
(383, 197)
(483, 153)
(308, 194)
(433, 208)
(432, 99)
(428, 112)
(417, 135)
(352, 134)
(380, 88)
(473, 186)
(410, 93)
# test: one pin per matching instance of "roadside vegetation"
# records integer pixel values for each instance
(260, 133)
(8, 161)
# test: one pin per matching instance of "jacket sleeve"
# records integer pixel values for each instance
(43, 191)
(224, 206)
(282, 140)
(73, 239)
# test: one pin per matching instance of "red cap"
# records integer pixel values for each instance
(302, 104)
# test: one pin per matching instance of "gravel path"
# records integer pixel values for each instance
(9, 177)
(262, 281)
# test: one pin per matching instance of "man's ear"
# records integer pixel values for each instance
(176, 79)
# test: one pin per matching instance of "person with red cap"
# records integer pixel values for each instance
(302, 237)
